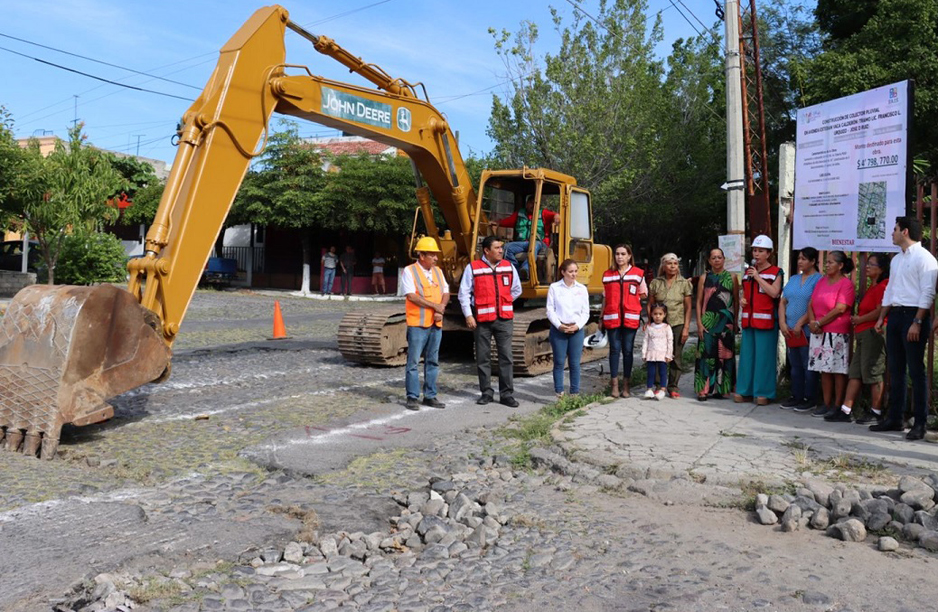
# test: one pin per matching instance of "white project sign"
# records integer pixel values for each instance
(850, 170)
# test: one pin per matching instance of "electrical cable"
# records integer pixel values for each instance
(91, 59)
(345, 14)
(48, 63)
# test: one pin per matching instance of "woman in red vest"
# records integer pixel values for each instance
(758, 354)
(623, 289)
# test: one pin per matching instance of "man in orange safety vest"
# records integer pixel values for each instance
(427, 294)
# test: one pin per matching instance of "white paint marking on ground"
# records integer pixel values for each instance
(238, 407)
(201, 384)
(113, 496)
(353, 429)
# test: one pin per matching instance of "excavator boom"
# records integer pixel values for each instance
(65, 350)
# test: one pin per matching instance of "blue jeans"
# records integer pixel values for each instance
(621, 341)
(566, 346)
(900, 353)
(659, 370)
(803, 380)
(422, 342)
(328, 279)
(513, 249)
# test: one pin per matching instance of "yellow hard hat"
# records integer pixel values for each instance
(427, 245)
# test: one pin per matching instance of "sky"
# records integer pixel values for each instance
(443, 43)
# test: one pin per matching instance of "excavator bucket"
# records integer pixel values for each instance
(65, 350)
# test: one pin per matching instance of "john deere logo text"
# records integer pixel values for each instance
(354, 108)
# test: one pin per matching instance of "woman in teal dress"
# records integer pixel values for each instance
(715, 367)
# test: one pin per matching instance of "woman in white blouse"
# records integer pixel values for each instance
(568, 311)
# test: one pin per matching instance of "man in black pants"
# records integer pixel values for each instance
(907, 301)
(487, 291)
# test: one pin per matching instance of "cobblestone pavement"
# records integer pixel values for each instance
(723, 442)
(157, 510)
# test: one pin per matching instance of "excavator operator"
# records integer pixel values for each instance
(522, 225)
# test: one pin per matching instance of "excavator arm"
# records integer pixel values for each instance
(65, 350)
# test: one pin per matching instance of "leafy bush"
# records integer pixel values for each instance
(91, 257)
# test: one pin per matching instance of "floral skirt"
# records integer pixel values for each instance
(827, 353)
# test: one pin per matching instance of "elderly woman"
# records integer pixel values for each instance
(869, 357)
(757, 356)
(793, 322)
(829, 322)
(715, 368)
(674, 291)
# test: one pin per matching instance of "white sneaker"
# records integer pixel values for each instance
(649, 394)
(660, 394)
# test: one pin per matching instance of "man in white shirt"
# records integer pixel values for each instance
(427, 294)
(487, 291)
(907, 301)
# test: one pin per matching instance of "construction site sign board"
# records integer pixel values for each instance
(851, 169)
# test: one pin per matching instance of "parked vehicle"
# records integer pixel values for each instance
(11, 256)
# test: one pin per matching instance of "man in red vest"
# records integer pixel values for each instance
(487, 291)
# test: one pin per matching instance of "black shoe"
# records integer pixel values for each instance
(412, 404)
(916, 433)
(821, 411)
(433, 402)
(888, 425)
(485, 399)
(790, 403)
(869, 417)
(805, 406)
(509, 401)
(701, 398)
(717, 396)
(838, 417)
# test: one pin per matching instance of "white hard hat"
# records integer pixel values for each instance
(597, 341)
(762, 242)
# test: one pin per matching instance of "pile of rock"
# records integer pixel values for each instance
(448, 521)
(850, 514)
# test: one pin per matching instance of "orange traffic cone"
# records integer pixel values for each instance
(280, 331)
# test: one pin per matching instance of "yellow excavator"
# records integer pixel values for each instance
(64, 351)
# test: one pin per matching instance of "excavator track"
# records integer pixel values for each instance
(374, 337)
(530, 344)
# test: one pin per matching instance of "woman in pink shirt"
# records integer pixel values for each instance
(829, 322)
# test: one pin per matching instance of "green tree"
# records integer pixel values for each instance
(145, 202)
(368, 193)
(647, 138)
(136, 174)
(870, 44)
(65, 191)
(90, 256)
(11, 156)
(591, 110)
(283, 188)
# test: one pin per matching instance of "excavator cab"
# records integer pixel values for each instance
(65, 350)
(563, 216)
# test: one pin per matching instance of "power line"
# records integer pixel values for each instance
(699, 33)
(91, 76)
(91, 59)
(345, 14)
